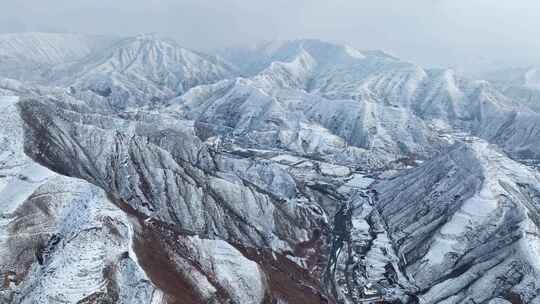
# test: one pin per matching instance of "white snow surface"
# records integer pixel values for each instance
(240, 276)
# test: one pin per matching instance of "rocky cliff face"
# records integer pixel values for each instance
(147, 173)
(61, 239)
(465, 225)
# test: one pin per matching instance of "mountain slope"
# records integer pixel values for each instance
(55, 231)
(466, 225)
(287, 105)
(186, 199)
(28, 56)
(141, 70)
(351, 104)
(521, 84)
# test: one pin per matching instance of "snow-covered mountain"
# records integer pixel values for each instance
(465, 225)
(138, 171)
(140, 70)
(355, 105)
(27, 56)
(522, 84)
(61, 241)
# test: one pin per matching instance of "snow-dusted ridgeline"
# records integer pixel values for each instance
(61, 240)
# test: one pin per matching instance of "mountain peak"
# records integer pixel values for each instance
(143, 68)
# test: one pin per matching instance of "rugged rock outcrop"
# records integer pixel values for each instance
(465, 225)
(61, 240)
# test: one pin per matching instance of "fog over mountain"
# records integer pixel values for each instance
(467, 34)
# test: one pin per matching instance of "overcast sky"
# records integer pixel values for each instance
(456, 33)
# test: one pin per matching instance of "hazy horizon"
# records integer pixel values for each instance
(467, 35)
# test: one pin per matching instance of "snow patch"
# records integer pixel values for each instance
(354, 53)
